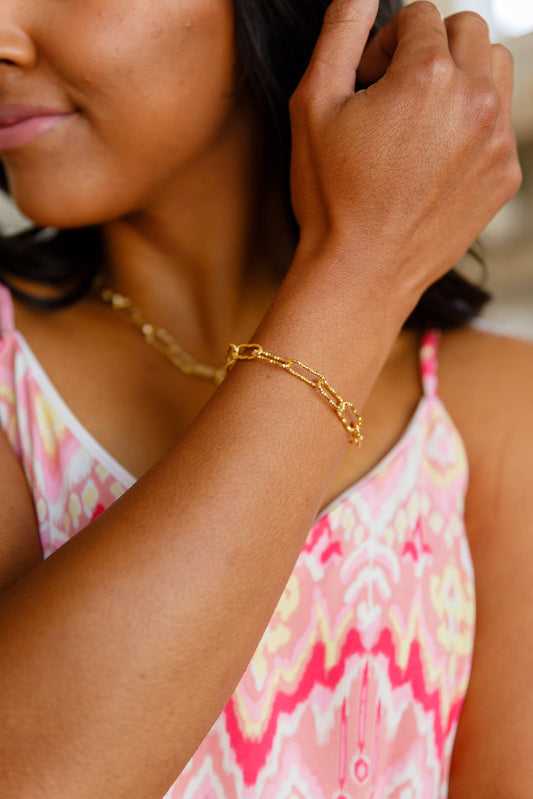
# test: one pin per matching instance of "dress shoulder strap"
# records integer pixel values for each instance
(7, 314)
(429, 362)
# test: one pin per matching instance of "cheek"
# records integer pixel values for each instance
(155, 94)
(179, 61)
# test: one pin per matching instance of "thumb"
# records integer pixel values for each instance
(340, 45)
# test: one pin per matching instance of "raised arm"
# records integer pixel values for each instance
(118, 652)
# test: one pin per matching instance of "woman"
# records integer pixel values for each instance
(121, 649)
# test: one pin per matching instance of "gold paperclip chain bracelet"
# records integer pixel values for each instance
(345, 411)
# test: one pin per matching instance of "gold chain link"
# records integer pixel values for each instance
(345, 411)
(161, 340)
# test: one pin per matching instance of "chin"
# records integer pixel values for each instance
(55, 220)
(52, 198)
(57, 211)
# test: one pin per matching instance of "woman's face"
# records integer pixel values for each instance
(139, 92)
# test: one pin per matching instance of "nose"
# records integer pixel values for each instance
(16, 48)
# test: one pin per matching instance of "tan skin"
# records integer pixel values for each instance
(189, 551)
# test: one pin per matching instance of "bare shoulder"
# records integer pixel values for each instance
(484, 372)
(486, 383)
(487, 386)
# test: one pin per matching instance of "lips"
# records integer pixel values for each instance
(21, 124)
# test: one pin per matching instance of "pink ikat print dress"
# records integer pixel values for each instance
(356, 687)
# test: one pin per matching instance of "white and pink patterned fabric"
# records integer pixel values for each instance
(356, 687)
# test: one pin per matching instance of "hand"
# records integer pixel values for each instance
(413, 167)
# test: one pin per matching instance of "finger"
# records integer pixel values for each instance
(337, 53)
(417, 28)
(469, 42)
(503, 74)
(379, 53)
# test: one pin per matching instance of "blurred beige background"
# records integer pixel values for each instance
(508, 241)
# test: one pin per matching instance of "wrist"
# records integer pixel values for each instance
(361, 284)
(382, 275)
(330, 317)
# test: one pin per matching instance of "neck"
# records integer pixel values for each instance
(199, 259)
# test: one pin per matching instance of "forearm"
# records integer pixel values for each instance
(131, 638)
